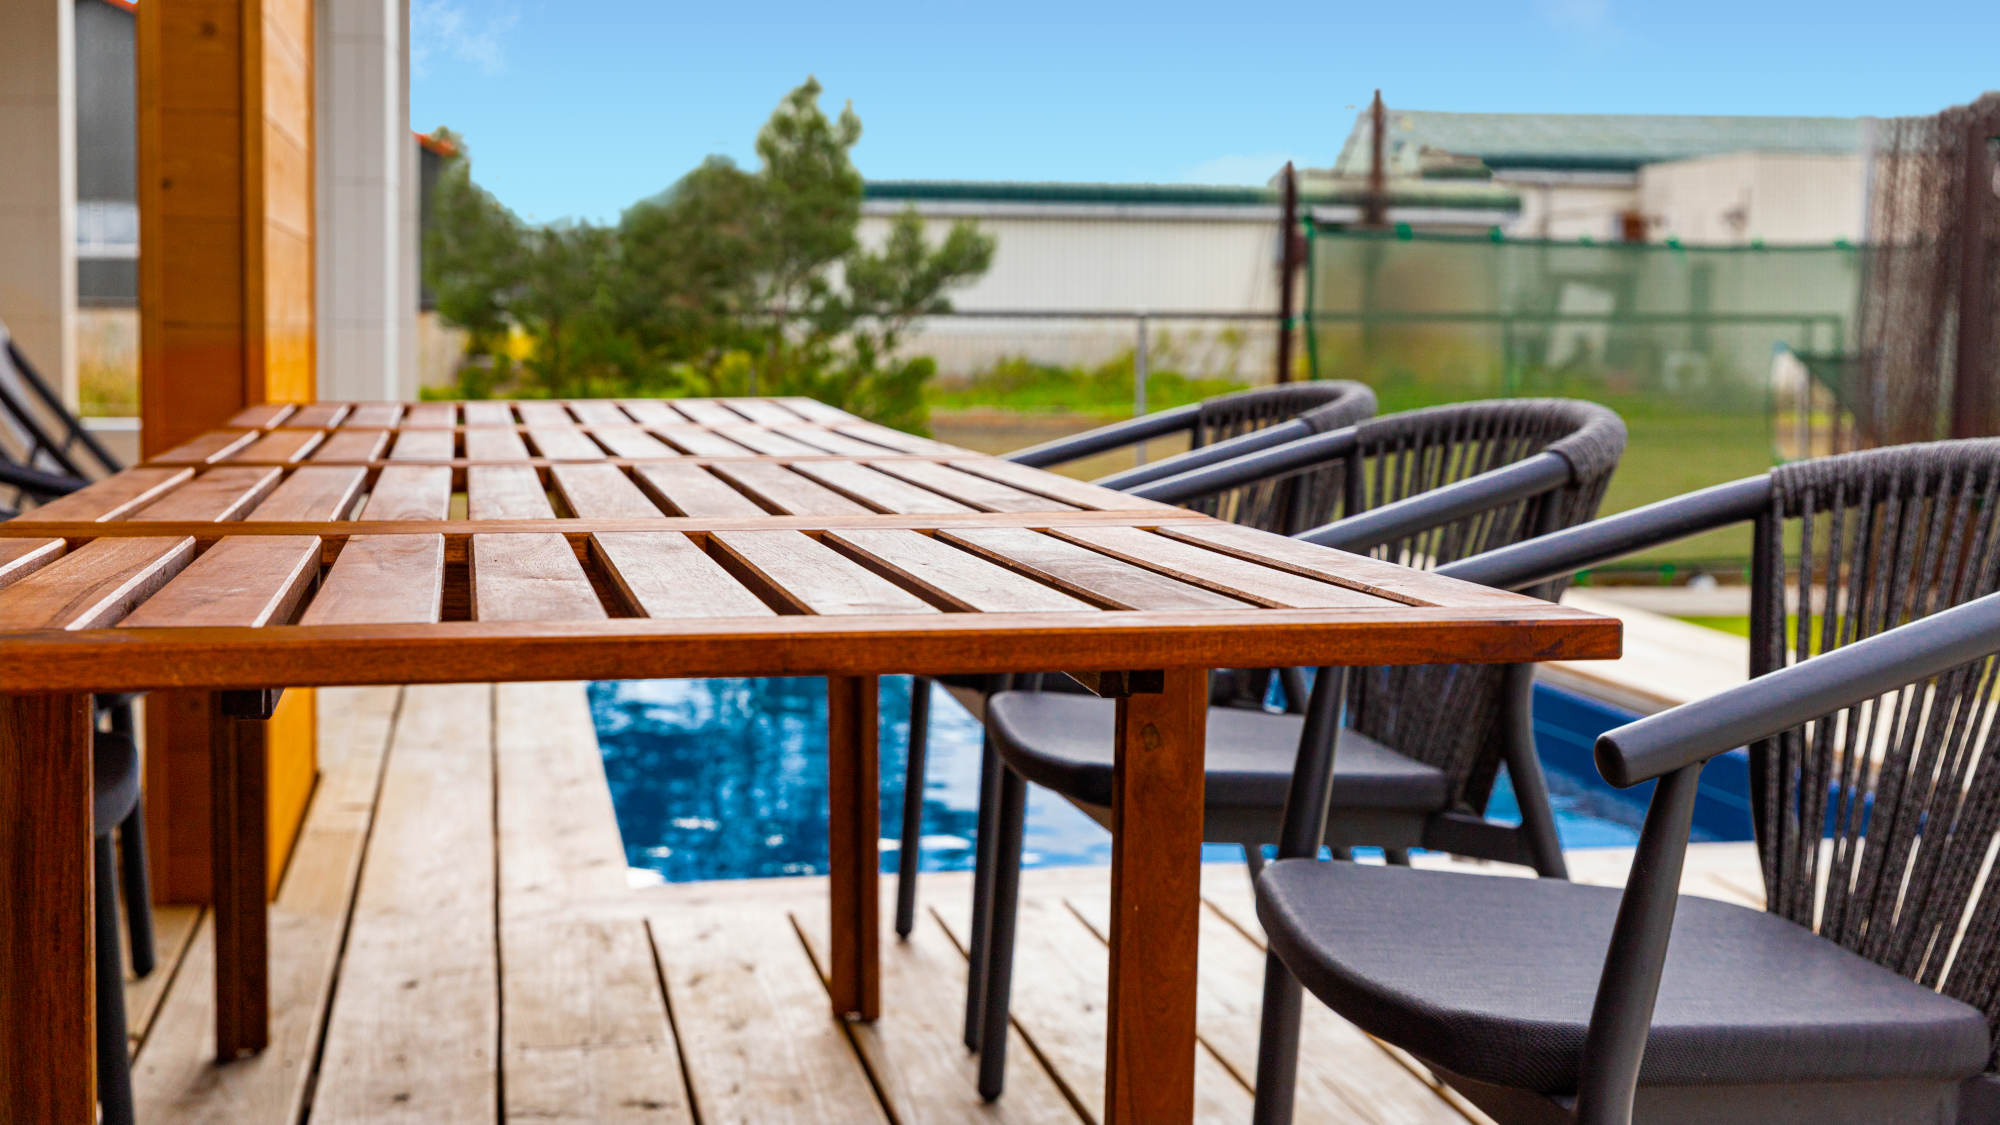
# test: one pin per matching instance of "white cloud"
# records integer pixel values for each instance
(1248, 169)
(448, 29)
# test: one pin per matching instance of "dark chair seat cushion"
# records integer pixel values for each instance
(114, 780)
(1064, 743)
(1493, 978)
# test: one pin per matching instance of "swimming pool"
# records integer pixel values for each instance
(726, 779)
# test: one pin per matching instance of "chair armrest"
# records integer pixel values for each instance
(1209, 454)
(1695, 732)
(1563, 553)
(1103, 438)
(1250, 467)
(1440, 506)
(38, 483)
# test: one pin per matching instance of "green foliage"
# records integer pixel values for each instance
(1017, 383)
(729, 282)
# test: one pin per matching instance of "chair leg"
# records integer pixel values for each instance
(114, 1066)
(1013, 812)
(1277, 1045)
(137, 881)
(913, 807)
(982, 889)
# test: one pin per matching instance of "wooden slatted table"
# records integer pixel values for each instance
(338, 543)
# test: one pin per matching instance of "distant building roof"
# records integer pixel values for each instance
(1605, 142)
(1314, 191)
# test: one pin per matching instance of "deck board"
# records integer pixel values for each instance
(414, 1030)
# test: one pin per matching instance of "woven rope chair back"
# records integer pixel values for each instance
(1278, 504)
(1877, 824)
(1449, 716)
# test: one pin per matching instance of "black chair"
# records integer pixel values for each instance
(45, 451)
(1867, 989)
(1217, 430)
(1424, 745)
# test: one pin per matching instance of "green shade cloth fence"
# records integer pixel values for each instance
(1679, 340)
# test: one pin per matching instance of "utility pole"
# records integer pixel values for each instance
(1375, 208)
(1289, 252)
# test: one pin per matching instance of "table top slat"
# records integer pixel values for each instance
(506, 492)
(601, 492)
(959, 578)
(827, 441)
(410, 492)
(261, 416)
(1081, 494)
(529, 578)
(1223, 573)
(534, 412)
(707, 412)
(208, 448)
(1086, 573)
(697, 442)
(564, 443)
(770, 443)
(382, 580)
(631, 441)
(423, 445)
(813, 410)
(811, 577)
(22, 557)
(319, 415)
(691, 490)
(246, 581)
(599, 412)
(352, 445)
(780, 488)
(764, 412)
(375, 414)
(877, 489)
(495, 445)
(94, 585)
(312, 492)
(111, 497)
(651, 411)
(897, 440)
(227, 493)
(281, 446)
(663, 574)
(430, 414)
(979, 492)
(487, 413)
(1374, 576)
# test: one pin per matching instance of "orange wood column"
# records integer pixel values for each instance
(226, 320)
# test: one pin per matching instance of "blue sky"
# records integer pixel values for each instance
(578, 109)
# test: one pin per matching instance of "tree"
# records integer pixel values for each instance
(728, 282)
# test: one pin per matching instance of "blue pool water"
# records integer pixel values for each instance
(726, 779)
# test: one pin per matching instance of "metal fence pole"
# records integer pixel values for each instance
(1139, 383)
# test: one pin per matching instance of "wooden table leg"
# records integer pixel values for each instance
(48, 1009)
(239, 858)
(854, 832)
(1156, 820)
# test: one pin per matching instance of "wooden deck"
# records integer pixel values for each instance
(455, 940)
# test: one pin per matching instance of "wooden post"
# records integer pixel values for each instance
(48, 1012)
(854, 830)
(226, 320)
(1972, 390)
(1156, 821)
